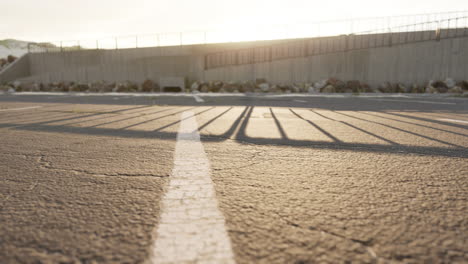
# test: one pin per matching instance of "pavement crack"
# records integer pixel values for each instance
(364, 243)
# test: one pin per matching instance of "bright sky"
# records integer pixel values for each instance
(51, 20)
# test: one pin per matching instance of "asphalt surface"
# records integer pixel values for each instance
(299, 179)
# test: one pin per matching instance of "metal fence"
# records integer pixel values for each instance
(434, 30)
(403, 23)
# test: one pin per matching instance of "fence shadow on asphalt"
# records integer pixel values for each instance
(237, 130)
(336, 102)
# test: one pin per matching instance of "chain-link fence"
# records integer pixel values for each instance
(433, 30)
(405, 23)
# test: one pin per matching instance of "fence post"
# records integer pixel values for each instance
(97, 44)
(116, 45)
(136, 42)
(61, 47)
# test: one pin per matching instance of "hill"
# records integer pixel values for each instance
(18, 47)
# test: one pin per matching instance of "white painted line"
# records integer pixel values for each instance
(300, 101)
(191, 227)
(198, 98)
(413, 101)
(19, 109)
(453, 120)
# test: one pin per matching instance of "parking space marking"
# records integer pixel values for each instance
(191, 227)
(453, 120)
(198, 98)
(19, 109)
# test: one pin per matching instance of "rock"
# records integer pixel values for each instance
(11, 58)
(43, 87)
(247, 87)
(328, 89)
(340, 86)
(450, 83)
(430, 89)
(30, 87)
(295, 88)
(195, 86)
(73, 89)
(275, 89)
(311, 90)
(354, 86)
(3, 62)
(100, 86)
(120, 88)
(366, 88)
(125, 87)
(399, 88)
(148, 86)
(260, 81)
(298, 87)
(319, 85)
(78, 87)
(440, 86)
(204, 88)
(283, 87)
(215, 86)
(230, 87)
(264, 87)
(455, 89)
(16, 84)
(385, 87)
(463, 85)
(4, 88)
(81, 87)
(415, 88)
(66, 86)
(132, 87)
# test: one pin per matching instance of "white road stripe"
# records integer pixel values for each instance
(19, 109)
(191, 227)
(453, 120)
(198, 98)
(412, 101)
(300, 101)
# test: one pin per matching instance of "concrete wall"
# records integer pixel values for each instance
(18, 69)
(371, 58)
(114, 65)
(409, 63)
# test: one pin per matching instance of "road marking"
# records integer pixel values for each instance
(412, 101)
(453, 120)
(198, 98)
(191, 227)
(19, 109)
(300, 101)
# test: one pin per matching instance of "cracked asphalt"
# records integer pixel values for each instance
(299, 179)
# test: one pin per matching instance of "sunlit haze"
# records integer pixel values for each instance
(55, 20)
